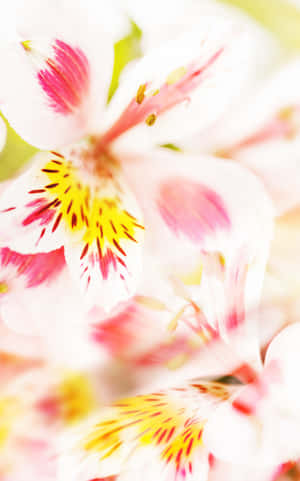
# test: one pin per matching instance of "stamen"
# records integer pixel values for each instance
(176, 89)
(26, 44)
(150, 120)
(141, 93)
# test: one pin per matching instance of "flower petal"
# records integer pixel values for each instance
(201, 215)
(20, 273)
(106, 259)
(183, 85)
(162, 431)
(59, 75)
(29, 210)
(263, 133)
(94, 216)
(284, 350)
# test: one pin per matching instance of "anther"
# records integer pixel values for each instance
(26, 44)
(150, 120)
(140, 95)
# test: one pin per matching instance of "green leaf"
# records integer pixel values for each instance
(15, 154)
(279, 16)
(126, 49)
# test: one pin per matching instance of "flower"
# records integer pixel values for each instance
(86, 196)
(186, 432)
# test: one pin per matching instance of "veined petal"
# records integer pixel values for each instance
(19, 273)
(34, 269)
(29, 211)
(57, 77)
(180, 87)
(206, 210)
(162, 431)
(94, 216)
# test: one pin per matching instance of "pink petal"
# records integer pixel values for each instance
(191, 209)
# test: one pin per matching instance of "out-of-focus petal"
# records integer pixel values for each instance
(36, 406)
(161, 431)
(19, 273)
(58, 76)
(284, 349)
(221, 471)
(263, 134)
(182, 86)
(176, 16)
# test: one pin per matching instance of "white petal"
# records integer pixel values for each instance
(53, 84)
(200, 204)
(263, 134)
(216, 54)
(28, 211)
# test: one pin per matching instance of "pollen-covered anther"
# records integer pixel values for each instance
(150, 120)
(140, 95)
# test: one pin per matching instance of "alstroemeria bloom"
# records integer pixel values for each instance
(156, 436)
(182, 432)
(54, 90)
(261, 424)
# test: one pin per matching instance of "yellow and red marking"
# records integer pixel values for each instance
(162, 420)
(99, 219)
(73, 399)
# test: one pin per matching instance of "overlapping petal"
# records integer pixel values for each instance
(179, 87)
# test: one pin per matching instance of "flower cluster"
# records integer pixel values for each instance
(149, 314)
